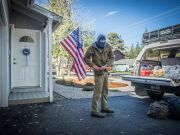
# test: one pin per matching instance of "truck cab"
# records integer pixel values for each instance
(157, 67)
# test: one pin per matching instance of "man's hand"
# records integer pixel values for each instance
(96, 68)
(102, 68)
(108, 68)
(105, 68)
(88, 68)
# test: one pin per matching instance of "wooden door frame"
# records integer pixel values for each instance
(40, 53)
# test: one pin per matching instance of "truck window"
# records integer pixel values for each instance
(170, 53)
(178, 55)
(152, 55)
(164, 54)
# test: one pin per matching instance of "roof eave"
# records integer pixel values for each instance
(55, 17)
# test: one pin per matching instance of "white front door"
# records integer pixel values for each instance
(25, 58)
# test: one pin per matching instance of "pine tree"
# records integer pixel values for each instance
(146, 30)
(132, 52)
(115, 40)
(62, 8)
(137, 49)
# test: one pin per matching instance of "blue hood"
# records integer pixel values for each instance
(101, 41)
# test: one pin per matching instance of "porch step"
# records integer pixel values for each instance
(28, 97)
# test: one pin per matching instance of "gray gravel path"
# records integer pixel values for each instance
(77, 93)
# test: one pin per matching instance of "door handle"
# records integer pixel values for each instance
(14, 63)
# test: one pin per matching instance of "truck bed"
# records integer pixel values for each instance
(151, 80)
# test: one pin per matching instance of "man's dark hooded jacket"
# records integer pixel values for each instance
(99, 57)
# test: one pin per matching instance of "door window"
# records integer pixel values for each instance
(26, 39)
(178, 55)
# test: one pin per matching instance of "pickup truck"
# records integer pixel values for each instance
(162, 48)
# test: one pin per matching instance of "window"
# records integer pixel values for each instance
(152, 55)
(171, 53)
(26, 39)
(164, 54)
(178, 55)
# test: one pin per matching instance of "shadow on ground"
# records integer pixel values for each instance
(72, 117)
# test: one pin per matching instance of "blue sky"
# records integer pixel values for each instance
(128, 18)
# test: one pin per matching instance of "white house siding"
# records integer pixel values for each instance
(123, 64)
(121, 68)
(5, 65)
(4, 58)
(0, 63)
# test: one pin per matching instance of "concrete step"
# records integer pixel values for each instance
(28, 97)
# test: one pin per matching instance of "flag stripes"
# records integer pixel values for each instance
(73, 44)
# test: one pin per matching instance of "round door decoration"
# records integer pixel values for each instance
(26, 52)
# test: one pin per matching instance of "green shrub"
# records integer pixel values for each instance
(88, 88)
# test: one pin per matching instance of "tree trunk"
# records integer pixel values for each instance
(57, 64)
(69, 69)
(60, 66)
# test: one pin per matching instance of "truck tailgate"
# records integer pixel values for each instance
(151, 80)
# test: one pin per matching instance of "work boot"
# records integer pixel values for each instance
(107, 110)
(97, 114)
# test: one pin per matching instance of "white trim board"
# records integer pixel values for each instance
(46, 58)
(40, 61)
(0, 63)
(24, 30)
(4, 65)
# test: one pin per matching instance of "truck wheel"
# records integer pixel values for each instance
(140, 91)
(177, 94)
(155, 95)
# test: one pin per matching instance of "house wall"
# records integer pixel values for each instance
(118, 55)
(122, 68)
(4, 53)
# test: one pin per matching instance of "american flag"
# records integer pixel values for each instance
(73, 44)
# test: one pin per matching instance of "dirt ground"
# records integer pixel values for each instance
(89, 81)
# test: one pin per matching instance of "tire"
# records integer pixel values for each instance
(174, 107)
(155, 95)
(177, 94)
(140, 91)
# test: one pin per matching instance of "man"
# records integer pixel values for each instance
(100, 58)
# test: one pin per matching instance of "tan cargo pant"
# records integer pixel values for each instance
(101, 88)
